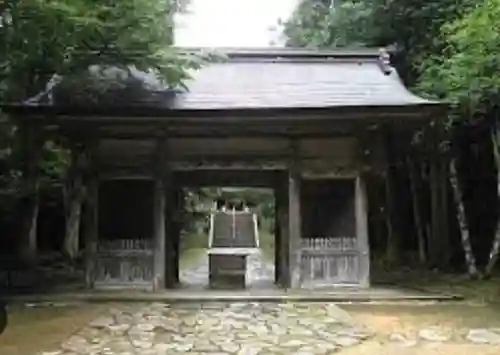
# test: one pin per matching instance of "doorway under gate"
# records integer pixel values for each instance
(330, 252)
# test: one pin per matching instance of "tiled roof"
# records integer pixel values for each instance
(294, 84)
(276, 78)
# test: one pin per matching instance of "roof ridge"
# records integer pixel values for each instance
(287, 52)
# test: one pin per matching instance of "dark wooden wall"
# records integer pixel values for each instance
(328, 208)
(126, 209)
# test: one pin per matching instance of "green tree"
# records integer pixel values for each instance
(316, 24)
(43, 38)
(414, 29)
(467, 73)
(46, 40)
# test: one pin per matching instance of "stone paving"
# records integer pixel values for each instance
(260, 272)
(237, 328)
(447, 335)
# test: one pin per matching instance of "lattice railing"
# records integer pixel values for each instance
(329, 261)
(124, 262)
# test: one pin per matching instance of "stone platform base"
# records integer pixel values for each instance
(382, 295)
(227, 268)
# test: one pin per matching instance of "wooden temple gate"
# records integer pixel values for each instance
(305, 256)
(314, 121)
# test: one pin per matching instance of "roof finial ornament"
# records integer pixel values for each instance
(385, 61)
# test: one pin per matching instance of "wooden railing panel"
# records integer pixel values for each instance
(124, 262)
(330, 261)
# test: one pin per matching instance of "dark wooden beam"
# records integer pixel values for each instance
(225, 178)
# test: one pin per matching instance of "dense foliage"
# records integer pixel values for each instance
(442, 48)
(45, 40)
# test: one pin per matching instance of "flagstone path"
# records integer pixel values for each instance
(242, 328)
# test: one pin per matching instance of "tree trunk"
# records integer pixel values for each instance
(462, 221)
(31, 147)
(496, 241)
(74, 200)
(28, 249)
(416, 212)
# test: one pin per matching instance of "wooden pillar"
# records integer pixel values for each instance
(392, 220)
(277, 241)
(159, 234)
(177, 229)
(282, 251)
(437, 182)
(277, 244)
(445, 234)
(294, 225)
(361, 216)
(91, 225)
(160, 196)
(171, 232)
(438, 239)
(435, 197)
(434, 190)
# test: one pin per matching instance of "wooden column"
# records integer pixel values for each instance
(91, 216)
(393, 248)
(171, 231)
(438, 238)
(282, 249)
(361, 215)
(159, 234)
(159, 217)
(177, 229)
(294, 221)
(445, 234)
(277, 241)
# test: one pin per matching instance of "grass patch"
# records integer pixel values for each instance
(190, 257)
(267, 244)
(481, 291)
(194, 241)
(33, 329)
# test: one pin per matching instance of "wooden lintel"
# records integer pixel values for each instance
(129, 176)
(218, 134)
(183, 166)
(255, 178)
(310, 175)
